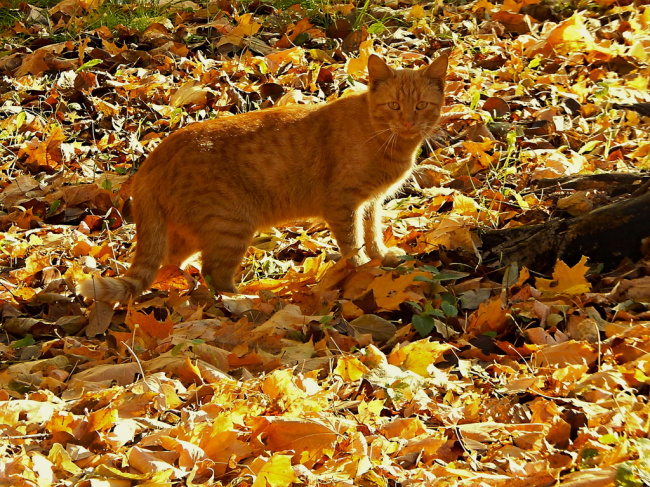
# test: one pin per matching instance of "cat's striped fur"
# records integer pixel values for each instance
(209, 186)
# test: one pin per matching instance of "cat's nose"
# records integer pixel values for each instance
(408, 125)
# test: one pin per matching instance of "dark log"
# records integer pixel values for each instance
(606, 235)
(612, 183)
(641, 108)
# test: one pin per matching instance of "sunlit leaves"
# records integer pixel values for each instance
(566, 280)
(318, 373)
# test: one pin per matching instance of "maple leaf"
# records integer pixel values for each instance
(46, 154)
(419, 356)
(149, 324)
(275, 472)
(390, 290)
(566, 280)
(245, 28)
(350, 368)
(490, 317)
(72, 401)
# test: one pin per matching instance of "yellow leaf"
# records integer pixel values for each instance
(246, 28)
(61, 458)
(570, 35)
(465, 206)
(389, 293)
(277, 472)
(483, 4)
(638, 51)
(418, 356)
(416, 12)
(370, 412)
(275, 60)
(357, 66)
(566, 280)
(191, 92)
(350, 369)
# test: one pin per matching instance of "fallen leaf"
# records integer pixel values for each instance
(566, 280)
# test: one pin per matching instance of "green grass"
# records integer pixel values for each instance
(112, 17)
(10, 14)
(136, 15)
(8, 17)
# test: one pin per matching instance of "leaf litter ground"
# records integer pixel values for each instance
(445, 371)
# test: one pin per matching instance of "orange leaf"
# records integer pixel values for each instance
(488, 317)
(45, 154)
(310, 439)
(33, 63)
(171, 277)
(390, 293)
(218, 439)
(565, 354)
(150, 325)
(405, 428)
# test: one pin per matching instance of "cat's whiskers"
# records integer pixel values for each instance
(387, 142)
(376, 134)
(427, 133)
(391, 142)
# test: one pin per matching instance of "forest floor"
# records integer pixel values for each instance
(450, 369)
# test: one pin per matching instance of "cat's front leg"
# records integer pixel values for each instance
(347, 226)
(374, 239)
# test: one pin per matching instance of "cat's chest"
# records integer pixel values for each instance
(389, 170)
(386, 179)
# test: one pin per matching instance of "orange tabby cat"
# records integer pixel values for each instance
(209, 186)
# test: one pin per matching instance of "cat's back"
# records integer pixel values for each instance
(260, 124)
(297, 142)
(244, 124)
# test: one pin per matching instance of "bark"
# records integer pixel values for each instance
(613, 183)
(606, 235)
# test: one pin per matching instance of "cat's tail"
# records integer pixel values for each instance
(149, 252)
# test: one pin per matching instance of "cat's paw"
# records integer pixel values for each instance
(391, 257)
(356, 257)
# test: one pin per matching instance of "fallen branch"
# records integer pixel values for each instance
(606, 235)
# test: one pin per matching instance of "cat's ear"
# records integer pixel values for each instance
(378, 70)
(437, 69)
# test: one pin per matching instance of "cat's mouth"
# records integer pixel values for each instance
(411, 133)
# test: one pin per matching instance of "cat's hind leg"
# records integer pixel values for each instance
(223, 245)
(180, 246)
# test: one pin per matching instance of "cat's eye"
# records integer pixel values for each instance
(393, 105)
(421, 105)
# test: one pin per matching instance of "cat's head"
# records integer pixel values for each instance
(406, 101)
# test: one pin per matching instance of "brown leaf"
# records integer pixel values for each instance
(99, 318)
